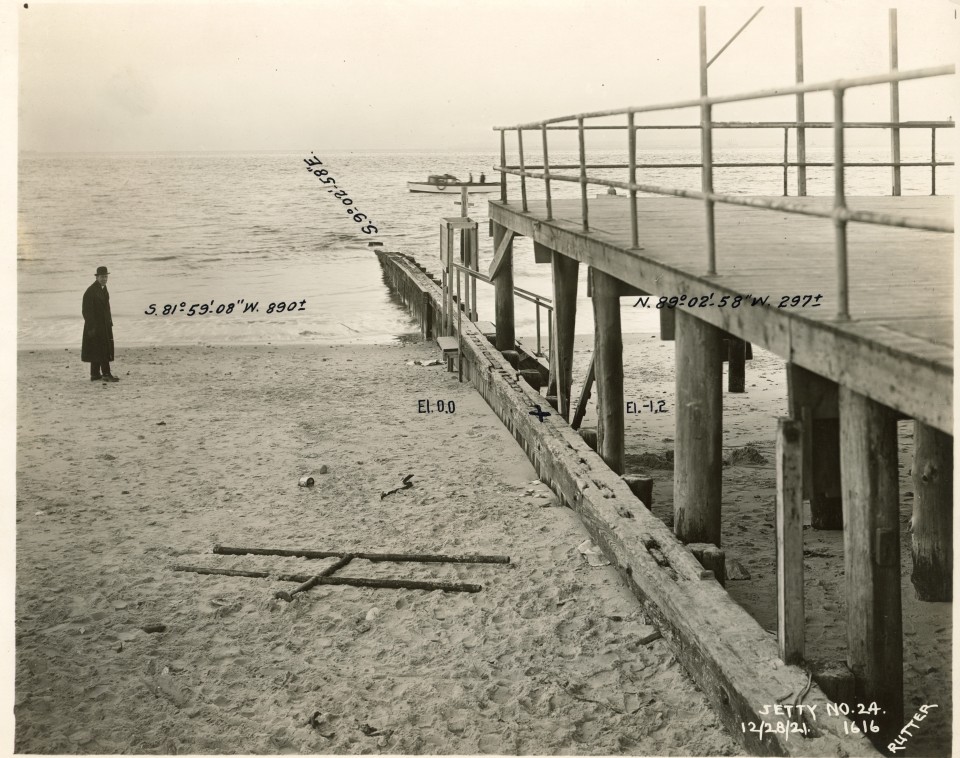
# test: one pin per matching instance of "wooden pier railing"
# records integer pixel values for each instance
(840, 213)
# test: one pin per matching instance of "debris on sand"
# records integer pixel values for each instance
(661, 460)
(749, 454)
(592, 554)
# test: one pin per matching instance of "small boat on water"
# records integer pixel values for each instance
(452, 185)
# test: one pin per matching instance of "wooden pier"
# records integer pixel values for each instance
(891, 359)
(854, 293)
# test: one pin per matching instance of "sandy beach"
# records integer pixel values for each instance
(203, 445)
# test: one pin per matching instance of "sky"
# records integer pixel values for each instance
(431, 74)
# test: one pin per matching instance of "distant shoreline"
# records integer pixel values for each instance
(391, 341)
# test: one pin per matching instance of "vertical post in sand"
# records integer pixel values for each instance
(826, 506)
(790, 629)
(737, 365)
(608, 357)
(566, 272)
(932, 514)
(427, 316)
(813, 399)
(871, 534)
(475, 266)
(698, 457)
(446, 256)
(503, 295)
(668, 324)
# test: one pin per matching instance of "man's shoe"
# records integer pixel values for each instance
(110, 378)
(95, 378)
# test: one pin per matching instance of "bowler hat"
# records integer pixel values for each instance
(102, 270)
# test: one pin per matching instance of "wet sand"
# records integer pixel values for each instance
(202, 445)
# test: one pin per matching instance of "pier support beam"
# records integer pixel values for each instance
(698, 455)
(790, 616)
(668, 324)
(608, 357)
(871, 532)
(932, 514)
(737, 365)
(566, 272)
(503, 297)
(813, 400)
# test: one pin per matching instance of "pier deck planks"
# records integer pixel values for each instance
(897, 347)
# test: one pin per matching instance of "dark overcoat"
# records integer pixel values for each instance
(97, 326)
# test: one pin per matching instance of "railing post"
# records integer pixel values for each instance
(933, 161)
(706, 158)
(550, 329)
(503, 163)
(786, 157)
(894, 105)
(840, 206)
(583, 176)
(537, 306)
(632, 142)
(546, 174)
(706, 147)
(523, 178)
(801, 131)
(475, 265)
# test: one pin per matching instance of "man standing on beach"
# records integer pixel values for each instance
(97, 349)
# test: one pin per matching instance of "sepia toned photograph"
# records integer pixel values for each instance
(481, 378)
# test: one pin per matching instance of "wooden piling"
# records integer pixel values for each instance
(532, 377)
(589, 435)
(584, 395)
(790, 619)
(642, 487)
(668, 324)
(826, 496)
(932, 514)
(871, 531)
(566, 272)
(813, 400)
(698, 455)
(836, 681)
(426, 316)
(608, 354)
(503, 286)
(711, 558)
(736, 367)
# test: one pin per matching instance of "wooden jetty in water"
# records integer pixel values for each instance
(871, 346)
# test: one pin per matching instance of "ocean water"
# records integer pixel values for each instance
(221, 228)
